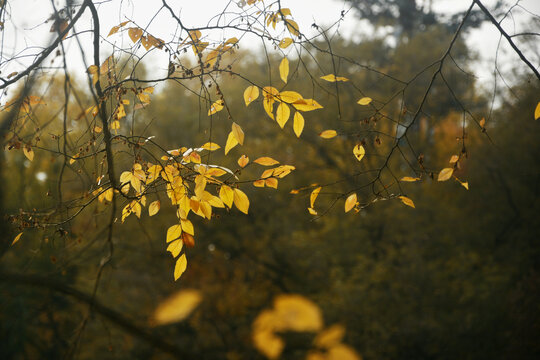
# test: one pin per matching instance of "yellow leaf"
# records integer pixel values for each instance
(342, 352)
(284, 69)
(306, 105)
(445, 174)
(243, 161)
(330, 337)
(231, 142)
(364, 101)
(407, 201)
(537, 112)
(146, 43)
(135, 34)
(241, 201)
(251, 94)
(175, 247)
(271, 182)
(187, 226)
(289, 97)
(266, 161)
(312, 211)
(282, 114)
(297, 313)
(409, 179)
(359, 152)
(268, 343)
(328, 134)
(334, 78)
(454, 159)
(313, 196)
(216, 106)
(465, 184)
(211, 146)
(17, 238)
(28, 152)
(176, 307)
(298, 123)
(350, 203)
(238, 133)
(285, 42)
(180, 267)
(482, 122)
(259, 183)
(153, 208)
(293, 27)
(226, 194)
(174, 232)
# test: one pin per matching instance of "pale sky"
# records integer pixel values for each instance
(29, 17)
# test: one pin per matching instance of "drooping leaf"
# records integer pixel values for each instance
(180, 267)
(364, 101)
(175, 247)
(359, 151)
(17, 238)
(174, 232)
(226, 194)
(135, 34)
(187, 226)
(216, 106)
(238, 133)
(154, 207)
(285, 42)
(176, 307)
(328, 134)
(28, 152)
(241, 201)
(537, 112)
(350, 202)
(313, 196)
(231, 142)
(306, 105)
(298, 124)
(284, 69)
(407, 201)
(282, 114)
(445, 174)
(251, 94)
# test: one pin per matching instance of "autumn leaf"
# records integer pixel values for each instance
(135, 34)
(350, 203)
(334, 78)
(231, 142)
(537, 112)
(454, 159)
(284, 69)
(306, 105)
(241, 201)
(296, 313)
(282, 114)
(174, 232)
(407, 201)
(409, 179)
(210, 146)
(176, 307)
(359, 152)
(216, 107)
(17, 238)
(28, 152)
(243, 161)
(238, 133)
(251, 94)
(180, 267)
(187, 226)
(328, 134)
(153, 208)
(226, 194)
(266, 161)
(329, 337)
(298, 123)
(271, 182)
(364, 101)
(285, 42)
(175, 247)
(313, 196)
(445, 174)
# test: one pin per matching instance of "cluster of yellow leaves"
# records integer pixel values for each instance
(296, 313)
(135, 34)
(272, 18)
(284, 99)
